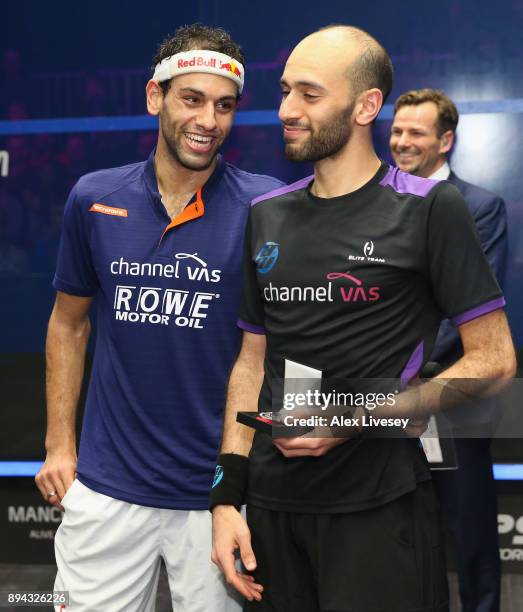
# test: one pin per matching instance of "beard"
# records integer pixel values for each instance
(173, 137)
(325, 141)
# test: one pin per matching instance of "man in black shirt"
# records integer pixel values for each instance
(347, 275)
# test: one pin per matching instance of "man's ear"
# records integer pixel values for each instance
(154, 97)
(446, 141)
(368, 106)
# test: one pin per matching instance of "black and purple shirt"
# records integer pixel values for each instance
(356, 286)
(167, 294)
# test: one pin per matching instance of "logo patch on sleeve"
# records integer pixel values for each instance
(108, 210)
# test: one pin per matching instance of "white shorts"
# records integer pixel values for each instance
(108, 556)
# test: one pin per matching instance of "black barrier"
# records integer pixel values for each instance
(23, 405)
(28, 525)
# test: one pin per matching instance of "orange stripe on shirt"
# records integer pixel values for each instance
(191, 211)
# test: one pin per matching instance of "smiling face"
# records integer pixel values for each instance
(317, 104)
(195, 116)
(414, 141)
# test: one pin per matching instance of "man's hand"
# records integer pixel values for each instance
(305, 446)
(315, 444)
(322, 439)
(230, 533)
(56, 476)
(66, 344)
(417, 427)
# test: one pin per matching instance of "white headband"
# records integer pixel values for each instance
(200, 60)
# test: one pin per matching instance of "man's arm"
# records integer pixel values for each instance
(489, 357)
(230, 530)
(67, 336)
(242, 393)
(490, 219)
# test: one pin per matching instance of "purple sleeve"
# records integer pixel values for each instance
(253, 329)
(478, 311)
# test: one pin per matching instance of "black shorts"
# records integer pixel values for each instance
(386, 559)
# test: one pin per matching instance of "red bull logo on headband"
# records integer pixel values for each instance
(200, 60)
(197, 61)
(231, 67)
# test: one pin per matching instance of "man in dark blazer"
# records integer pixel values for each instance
(422, 135)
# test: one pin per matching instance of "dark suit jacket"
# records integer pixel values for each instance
(490, 216)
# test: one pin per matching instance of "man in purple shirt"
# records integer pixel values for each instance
(158, 244)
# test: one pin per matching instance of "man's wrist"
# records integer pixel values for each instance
(219, 508)
(229, 487)
(60, 447)
(418, 401)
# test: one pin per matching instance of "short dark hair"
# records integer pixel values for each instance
(373, 67)
(448, 115)
(196, 36)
